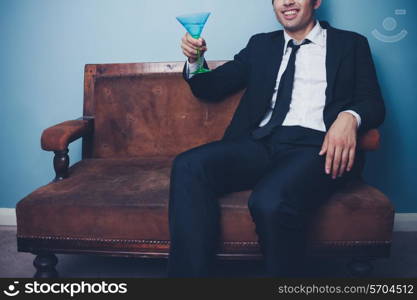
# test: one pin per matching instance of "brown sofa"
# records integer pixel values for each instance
(136, 118)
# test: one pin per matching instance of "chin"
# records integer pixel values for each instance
(290, 26)
(293, 25)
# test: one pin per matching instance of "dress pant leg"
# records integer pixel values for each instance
(198, 177)
(282, 202)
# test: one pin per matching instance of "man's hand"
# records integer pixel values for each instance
(189, 46)
(340, 145)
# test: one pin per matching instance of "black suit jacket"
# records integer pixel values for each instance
(351, 80)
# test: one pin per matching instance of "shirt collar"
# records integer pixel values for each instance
(316, 36)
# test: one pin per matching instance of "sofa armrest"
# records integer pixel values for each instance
(369, 140)
(58, 137)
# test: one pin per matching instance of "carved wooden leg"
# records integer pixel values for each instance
(61, 163)
(45, 265)
(360, 267)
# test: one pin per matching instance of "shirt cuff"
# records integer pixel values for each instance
(192, 67)
(356, 115)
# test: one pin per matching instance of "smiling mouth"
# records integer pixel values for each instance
(290, 14)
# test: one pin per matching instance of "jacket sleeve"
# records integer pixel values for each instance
(226, 79)
(367, 99)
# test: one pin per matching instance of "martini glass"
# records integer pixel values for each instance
(194, 24)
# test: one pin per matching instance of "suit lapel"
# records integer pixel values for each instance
(272, 65)
(333, 58)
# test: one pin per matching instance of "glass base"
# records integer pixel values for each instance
(200, 71)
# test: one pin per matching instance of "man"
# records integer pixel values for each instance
(311, 89)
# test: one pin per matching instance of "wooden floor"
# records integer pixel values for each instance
(403, 263)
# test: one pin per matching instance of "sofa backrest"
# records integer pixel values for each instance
(147, 109)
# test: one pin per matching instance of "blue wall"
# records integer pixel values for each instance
(46, 43)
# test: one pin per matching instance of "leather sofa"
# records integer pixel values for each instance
(136, 118)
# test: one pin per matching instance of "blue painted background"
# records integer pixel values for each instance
(46, 43)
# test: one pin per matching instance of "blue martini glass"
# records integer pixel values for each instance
(194, 24)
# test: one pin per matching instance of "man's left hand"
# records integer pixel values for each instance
(340, 145)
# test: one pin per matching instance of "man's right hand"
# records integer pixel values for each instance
(189, 46)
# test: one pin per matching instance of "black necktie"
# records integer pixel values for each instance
(282, 103)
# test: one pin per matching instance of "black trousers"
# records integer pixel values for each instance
(288, 182)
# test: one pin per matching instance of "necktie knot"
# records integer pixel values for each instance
(295, 46)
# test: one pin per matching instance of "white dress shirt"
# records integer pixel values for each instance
(310, 82)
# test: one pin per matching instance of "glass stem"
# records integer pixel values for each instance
(198, 59)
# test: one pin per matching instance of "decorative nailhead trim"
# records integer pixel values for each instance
(94, 239)
(232, 244)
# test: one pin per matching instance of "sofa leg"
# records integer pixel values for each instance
(45, 265)
(360, 267)
(61, 163)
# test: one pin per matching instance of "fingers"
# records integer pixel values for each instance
(194, 42)
(340, 145)
(329, 158)
(351, 159)
(344, 162)
(189, 51)
(339, 159)
(336, 161)
(190, 46)
(348, 158)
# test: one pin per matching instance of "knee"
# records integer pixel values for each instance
(276, 212)
(261, 208)
(186, 163)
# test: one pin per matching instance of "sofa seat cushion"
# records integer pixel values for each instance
(127, 198)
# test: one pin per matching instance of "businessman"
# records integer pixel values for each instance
(311, 90)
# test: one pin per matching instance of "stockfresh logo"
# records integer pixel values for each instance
(70, 288)
(12, 290)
